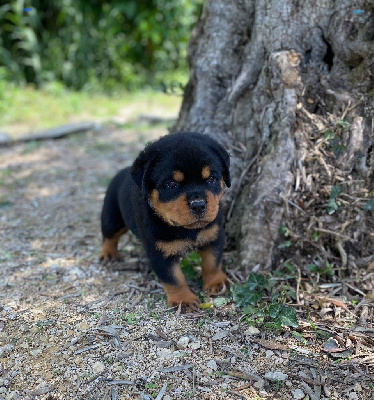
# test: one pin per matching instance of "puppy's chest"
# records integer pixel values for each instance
(179, 247)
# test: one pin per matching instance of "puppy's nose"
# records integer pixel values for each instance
(198, 206)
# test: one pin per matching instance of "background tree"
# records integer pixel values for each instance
(95, 44)
(288, 87)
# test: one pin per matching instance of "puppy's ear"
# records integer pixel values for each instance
(224, 157)
(140, 170)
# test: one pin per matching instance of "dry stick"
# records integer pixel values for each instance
(335, 234)
(298, 286)
(342, 252)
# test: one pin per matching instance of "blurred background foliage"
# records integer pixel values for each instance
(97, 44)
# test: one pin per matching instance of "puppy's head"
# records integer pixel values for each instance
(184, 176)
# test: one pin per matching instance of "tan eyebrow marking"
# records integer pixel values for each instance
(178, 176)
(205, 173)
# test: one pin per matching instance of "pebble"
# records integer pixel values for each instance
(298, 394)
(183, 342)
(252, 331)
(353, 396)
(98, 367)
(276, 376)
(259, 385)
(82, 326)
(220, 335)
(195, 345)
(358, 387)
(212, 365)
(4, 137)
(269, 353)
(2, 389)
(164, 353)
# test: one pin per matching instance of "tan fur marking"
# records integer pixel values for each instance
(174, 247)
(180, 293)
(175, 213)
(205, 173)
(178, 176)
(214, 279)
(207, 235)
(212, 205)
(109, 247)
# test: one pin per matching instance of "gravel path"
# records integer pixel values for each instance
(71, 328)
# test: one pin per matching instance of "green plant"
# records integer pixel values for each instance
(333, 204)
(326, 271)
(95, 44)
(249, 295)
(285, 232)
(369, 206)
(189, 263)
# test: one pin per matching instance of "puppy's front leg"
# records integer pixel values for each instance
(174, 282)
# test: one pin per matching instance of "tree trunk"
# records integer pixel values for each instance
(288, 87)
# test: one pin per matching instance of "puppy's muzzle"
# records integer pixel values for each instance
(198, 207)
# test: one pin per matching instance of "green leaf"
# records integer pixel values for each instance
(332, 205)
(253, 297)
(219, 302)
(300, 337)
(315, 236)
(329, 134)
(288, 316)
(338, 150)
(188, 271)
(243, 296)
(282, 245)
(275, 309)
(335, 192)
(256, 280)
(283, 230)
(369, 206)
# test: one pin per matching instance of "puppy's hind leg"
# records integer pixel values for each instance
(112, 228)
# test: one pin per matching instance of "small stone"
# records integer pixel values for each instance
(36, 352)
(164, 353)
(259, 385)
(195, 345)
(98, 367)
(220, 335)
(2, 389)
(4, 137)
(288, 384)
(298, 394)
(353, 396)
(252, 331)
(276, 376)
(358, 387)
(212, 365)
(82, 326)
(269, 353)
(183, 342)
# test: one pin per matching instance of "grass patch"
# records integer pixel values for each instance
(25, 109)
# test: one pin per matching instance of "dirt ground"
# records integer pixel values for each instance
(71, 328)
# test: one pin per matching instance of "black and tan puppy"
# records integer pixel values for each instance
(170, 199)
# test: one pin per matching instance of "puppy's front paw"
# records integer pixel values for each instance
(109, 255)
(215, 283)
(189, 301)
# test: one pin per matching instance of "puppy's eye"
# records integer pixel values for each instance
(171, 185)
(212, 179)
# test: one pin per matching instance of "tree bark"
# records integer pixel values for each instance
(268, 79)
